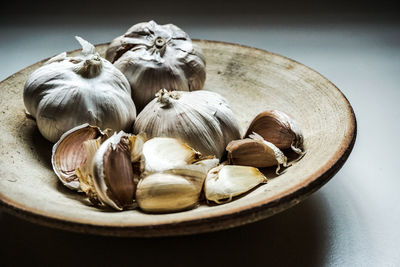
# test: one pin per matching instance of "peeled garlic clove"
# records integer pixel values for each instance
(167, 192)
(201, 119)
(256, 152)
(69, 153)
(154, 56)
(163, 153)
(227, 181)
(278, 128)
(113, 174)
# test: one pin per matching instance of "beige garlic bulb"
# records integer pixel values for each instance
(69, 153)
(227, 181)
(156, 56)
(256, 152)
(278, 128)
(69, 91)
(201, 119)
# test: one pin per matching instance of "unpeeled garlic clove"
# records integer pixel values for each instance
(278, 128)
(69, 153)
(227, 181)
(163, 153)
(113, 173)
(255, 152)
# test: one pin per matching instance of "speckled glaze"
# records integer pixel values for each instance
(252, 80)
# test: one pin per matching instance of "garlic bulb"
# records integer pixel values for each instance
(69, 91)
(256, 152)
(201, 119)
(69, 152)
(227, 181)
(156, 56)
(278, 128)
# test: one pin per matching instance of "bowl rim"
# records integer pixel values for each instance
(233, 217)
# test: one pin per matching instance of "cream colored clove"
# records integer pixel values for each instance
(227, 181)
(163, 153)
(174, 189)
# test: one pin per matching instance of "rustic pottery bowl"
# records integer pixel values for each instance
(252, 80)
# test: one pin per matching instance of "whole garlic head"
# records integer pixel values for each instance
(156, 56)
(201, 119)
(69, 91)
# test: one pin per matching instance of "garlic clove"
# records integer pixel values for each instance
(278, 128)
(163, 153)
(165, 192)
(256, 152)
(113, 173)
(69, 153)
(196, 172)
(227, 181)
(174, 189)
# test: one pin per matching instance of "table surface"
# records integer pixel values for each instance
(351, 221)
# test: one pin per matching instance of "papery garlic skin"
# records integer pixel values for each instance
(227, 181)
(156, 56)
(69, 153)
(69, 91)
(201, 119)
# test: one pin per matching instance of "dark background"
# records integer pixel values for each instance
(352, 221)
(27, 12)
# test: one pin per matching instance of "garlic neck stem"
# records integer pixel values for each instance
(89, 68)
(161, 45)
(163, 97)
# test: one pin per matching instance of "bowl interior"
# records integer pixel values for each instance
(252, 81)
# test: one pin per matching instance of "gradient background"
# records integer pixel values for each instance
(354, 220)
